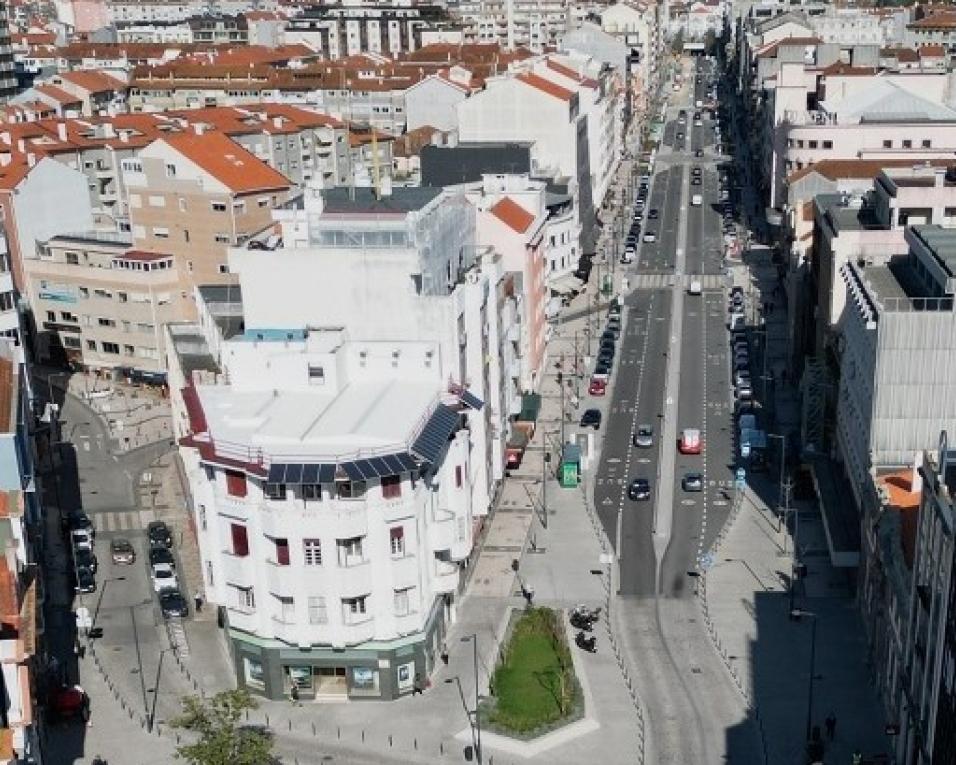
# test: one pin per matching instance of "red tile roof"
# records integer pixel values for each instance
(92, 81)
(512, 215)
(570, 73)
(834, 169)
(57, 94)
(224, 159)
(545, 86)
(942, 20)
(899, 486)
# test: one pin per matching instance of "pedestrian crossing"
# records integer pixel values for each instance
(662, 281)
(122, 520)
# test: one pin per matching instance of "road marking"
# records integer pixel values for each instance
(720, 503)
(688, 502)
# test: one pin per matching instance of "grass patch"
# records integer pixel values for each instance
(534, 686)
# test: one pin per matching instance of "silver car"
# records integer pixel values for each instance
(644, 437)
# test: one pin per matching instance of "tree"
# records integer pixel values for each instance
(221, 739)
(677, 43)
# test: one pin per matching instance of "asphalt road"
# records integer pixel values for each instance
(690, 700)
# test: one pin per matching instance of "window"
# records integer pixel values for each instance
(105, 294)
(887, 144)
(156, 200)
(161, 232)
(282, 551)
(182, 205)
(316, 375)
(223, 239)
(812, 144)
(243, 598)
(828, 144)
(84, 292)
(350, 489)
(218, 206)
(354, 609)
(240, 539)
(202, 517)
(317, 610)
(170, 170)
(927, 143)
(129, 350)
(275, 490)
(91, 345)
(110, 348)
(235, 483)
(312, 552)
(135, 200)
(263, 201)
(224, 268)
(391, 487)
(283, 609)
(396, 538)
(210, 579)
(104, 322)
(72, 258)
(350, 551)
(122, 297)
(312, 492)
(458, 476)
(51, 315)
(402, 602)
(71, 342)
(907, 143)
(255, 675)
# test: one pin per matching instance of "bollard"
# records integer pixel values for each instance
(441, 747)
(389, 739)
(313, 729)
(290, 724)
(363, 735)
(338, 732)
(415, 743)
(267, 721)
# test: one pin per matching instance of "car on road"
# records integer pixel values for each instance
(689, 441)
(695, 181)
(122, 552)
(591, 419)
(742, 377)
(158, 555)
(741, 359)
(696, 171)
(82, 539)
(615, 308)
(159, 535)
(699, 153)
(77, 519)
(692, 482)
(84, 581)
(597, 387)
(601, 372)
(744, 392)
(172, 603)
(680, 136)
(653, 214)
(643, 437)
(650, 236)
(639, 490)
(628, 256)
(84, 558)
(163, 576)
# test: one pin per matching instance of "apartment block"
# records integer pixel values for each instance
(100, 304)
(8, 79)
(193, 195)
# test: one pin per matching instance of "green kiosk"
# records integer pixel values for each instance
(570, 472)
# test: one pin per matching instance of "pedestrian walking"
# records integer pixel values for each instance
(418, 687)
(294, 694)
(197, 599)
(444, 654)
(830, 723)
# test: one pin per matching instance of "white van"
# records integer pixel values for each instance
(697, 200)
(736, 322)
(696, 287)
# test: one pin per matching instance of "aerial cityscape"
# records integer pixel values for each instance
(494, 381)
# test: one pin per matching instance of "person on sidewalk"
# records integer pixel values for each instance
(444, 654)
(197, 599)
(294, 695)
(418, 687)
(830, 723)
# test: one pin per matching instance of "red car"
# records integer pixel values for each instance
(689, 442)
(597, 387)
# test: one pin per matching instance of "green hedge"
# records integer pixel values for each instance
(534, 686)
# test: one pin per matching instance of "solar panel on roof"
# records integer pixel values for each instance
(394, 464)
(352, 471)
(326, 473)
(381, 467)
(408, 462)
(293, 473)
(470, 399)
(276, 473)
(434, 435)
(365, 468)
(310, 473)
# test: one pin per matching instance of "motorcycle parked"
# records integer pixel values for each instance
(583, 618)
(588, 644)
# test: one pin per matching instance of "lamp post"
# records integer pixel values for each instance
(99, 602)
(783, 456)
(796, 614)
(155, 690)
(473, 637)
(471, 723)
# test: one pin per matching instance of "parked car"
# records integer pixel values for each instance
(159, 535)
(591, 419)
(84, 558)
(650, 236)
(653, 214)
(82, 539)
(689, 441)
(159, 555)
(122, 552)
(77, 519)
(172, 603)
(643, 437)
(639, 490)
(163, 576)
(692, 482)
(597, 386)
(84, 581)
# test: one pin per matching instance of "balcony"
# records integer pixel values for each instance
(349, 519)
(445, 576)
(105, 173)
(405, 571)
(237, 569)
(287, 631)
(233, 507)
(281, 579)
(396, 509)
(360, 630)
(355, 580)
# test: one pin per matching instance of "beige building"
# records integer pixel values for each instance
(100, 303)
(195, 194)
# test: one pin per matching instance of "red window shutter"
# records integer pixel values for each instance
(458, 476)
(391, 486)
(240, 540)
(282, 552)
(235, 483)
(397, 532)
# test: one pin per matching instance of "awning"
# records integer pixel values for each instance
(565, 285)
(530, 407)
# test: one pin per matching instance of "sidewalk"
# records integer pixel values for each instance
(746, 602)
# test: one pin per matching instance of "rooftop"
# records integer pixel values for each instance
(362, 201)
(363, 418)
(846, 214)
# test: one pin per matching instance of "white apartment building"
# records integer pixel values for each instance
(330, 482)
(533, 24)
(638, 26)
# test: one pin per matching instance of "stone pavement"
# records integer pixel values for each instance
(746, 601)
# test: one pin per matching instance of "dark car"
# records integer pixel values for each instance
(84, 581)
(639, 490)
(159, 535)
(695, 181)
(161, 555)
(172, 603)
(610, 334)
(699, 153)
(692, 482)
(77, 520)
(653, 214)
(591, 419)
(85, 559)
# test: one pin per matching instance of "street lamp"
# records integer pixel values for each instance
(473, 637)
(795, 615)
(783, 459)
(471, 721)
(99, 602)
(155, 690)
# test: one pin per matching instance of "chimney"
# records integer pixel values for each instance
(277, 122)
(124, 136)
(385, 186)
(31, 159)
(108, 130)
(21, 145)
(61, 130)
(199, 128)
(4, 159)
